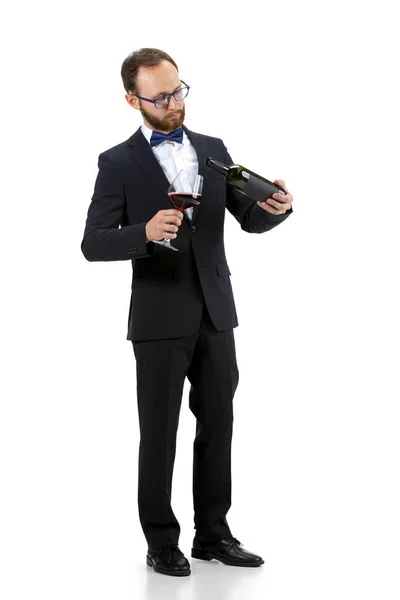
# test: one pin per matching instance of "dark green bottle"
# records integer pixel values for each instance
(254, 186)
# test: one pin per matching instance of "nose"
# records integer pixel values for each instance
(172, 103)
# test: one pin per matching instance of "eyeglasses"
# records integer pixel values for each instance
(165, 99)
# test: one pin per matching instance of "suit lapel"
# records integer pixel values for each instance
(199, 146)
(201, 151)
(141, 152)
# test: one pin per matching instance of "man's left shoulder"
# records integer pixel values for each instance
(210, 139)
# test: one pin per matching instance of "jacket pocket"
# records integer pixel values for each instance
(223, 269)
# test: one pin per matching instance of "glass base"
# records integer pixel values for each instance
(166, 243)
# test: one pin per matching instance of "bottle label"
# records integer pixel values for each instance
(258, 190)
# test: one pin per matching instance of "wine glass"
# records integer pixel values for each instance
(183, 195)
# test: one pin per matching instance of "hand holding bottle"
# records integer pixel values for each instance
(279, 203)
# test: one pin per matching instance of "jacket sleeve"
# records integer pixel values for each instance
(252, 218)
(105, 236)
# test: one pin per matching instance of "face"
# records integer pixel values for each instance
(151, 83)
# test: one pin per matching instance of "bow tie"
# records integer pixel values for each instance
(175, 136)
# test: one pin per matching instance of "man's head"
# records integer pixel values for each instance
(150, 73)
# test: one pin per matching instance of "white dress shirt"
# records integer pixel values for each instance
(173, 157)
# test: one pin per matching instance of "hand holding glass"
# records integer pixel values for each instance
(183, 195)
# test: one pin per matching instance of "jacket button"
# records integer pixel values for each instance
(194, 229)
(134, 250)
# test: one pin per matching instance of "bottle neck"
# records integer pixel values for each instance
(217, 166)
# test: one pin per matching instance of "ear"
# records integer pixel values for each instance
(132, 101)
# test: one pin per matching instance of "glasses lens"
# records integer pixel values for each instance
(181, 94)
(162, 101)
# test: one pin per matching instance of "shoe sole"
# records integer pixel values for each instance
(203, 555)
(166, 571)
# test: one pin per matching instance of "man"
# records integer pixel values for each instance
(182, 312)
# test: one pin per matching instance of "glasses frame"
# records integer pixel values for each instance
(185, 86)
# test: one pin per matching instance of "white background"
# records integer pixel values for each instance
(303, 91)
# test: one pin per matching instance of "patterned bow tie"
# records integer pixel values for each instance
(175, 136)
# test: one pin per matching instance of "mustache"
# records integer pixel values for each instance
(176, 112)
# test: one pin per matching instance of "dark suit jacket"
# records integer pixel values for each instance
(168, 287)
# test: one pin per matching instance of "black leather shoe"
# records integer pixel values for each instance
(228, 551)
(168, 560)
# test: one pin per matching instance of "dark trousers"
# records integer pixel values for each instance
(208, 359)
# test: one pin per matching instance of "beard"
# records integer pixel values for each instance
(164, 124)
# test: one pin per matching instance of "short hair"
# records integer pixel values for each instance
(145, 57)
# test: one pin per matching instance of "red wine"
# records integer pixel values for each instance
(184, 200)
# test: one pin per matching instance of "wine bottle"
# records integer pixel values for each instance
(254, 186)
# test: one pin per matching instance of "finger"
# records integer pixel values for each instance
(174, 213)
(270, 208)
(278, 205)
(281, 183)
(289, 197)
(173, 221)
(178, 213)
(169, 233)
(280, 197)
